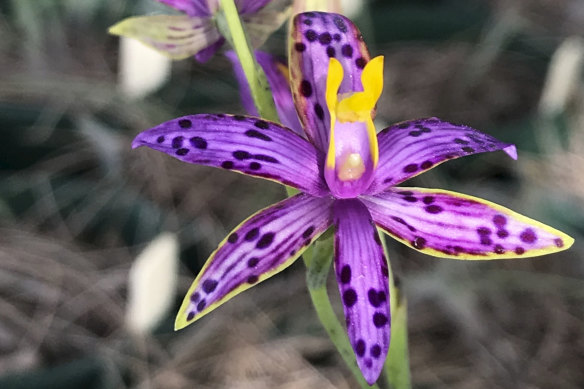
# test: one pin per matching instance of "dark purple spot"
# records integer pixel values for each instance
(375, 298)
(412, 167)
(467, 149)
(233, 238)
(415, 133)
(360, 62)
(403, 125)
(255, 166)
(239, 118)
(201, 305)
(425, 129)
(519, 250)
(241, 155)
(190, 316)
(265, 158)
(433, 208)
(528, 236)
(349, 297)
(300, 47)
(198, 142)
(502, 233)
(346, 274)
(368, 363)
(360, 348)
(384, 270)
(379, 319)
(185, 123)
(265, 240)
(195, 297)
(559, 242)
(182, 152)
(308, 22)
(177, 142)
(319, 111)
(311, 35)
(375, 351)
(340, 23)
(209, 286)
(484, 231)
(410, 199)
(252, 234)
(160, 139)
(330, 51)
(308, 232)
(325, 38)
(305, 88)
(262, 124)
(499, 220)
(258, 135)
(428, 199)
(227, 165)
(499, 249)
(426, 165)
(252, 279)
(486, 241)
(406, 193)
(460, 141)
(347, 50)
(337, 37)
(253, 261)
(388, 180)
(419, 242)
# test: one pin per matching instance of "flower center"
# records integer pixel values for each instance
(352, 153)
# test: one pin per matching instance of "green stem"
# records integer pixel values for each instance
(231, 28)
(397, 364)
(318, 261)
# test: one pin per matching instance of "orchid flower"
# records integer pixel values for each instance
(347, 175)
(195, 32)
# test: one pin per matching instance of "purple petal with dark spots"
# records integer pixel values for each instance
(453, 225)
(260, 247)
(361, 268)
(410, 148)
(244, 144)
(315, 36)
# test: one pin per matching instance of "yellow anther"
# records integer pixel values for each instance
(352, 168)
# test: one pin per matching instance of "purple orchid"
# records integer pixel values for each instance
(195, 32)
(347, 175)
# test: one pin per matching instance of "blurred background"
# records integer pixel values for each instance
(99, 243)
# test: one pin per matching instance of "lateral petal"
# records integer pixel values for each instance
(244, 144)
(316, 37)
(410, 148)
(176, 36)
(453, 225)
(362, 275)
(263, 245)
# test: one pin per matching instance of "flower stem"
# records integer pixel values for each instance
(318, 260)
(231, 28)
(397, 364)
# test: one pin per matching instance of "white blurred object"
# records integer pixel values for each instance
(352, 8)
(152, 284)
(142, 69)
(564, 76)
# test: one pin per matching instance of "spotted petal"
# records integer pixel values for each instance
(362, 275)
(176, 36)
(193, 7)
(453, 225)
(260, 247)
(277, 75)
(244, 144)
(410, 148)
(316, 37)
